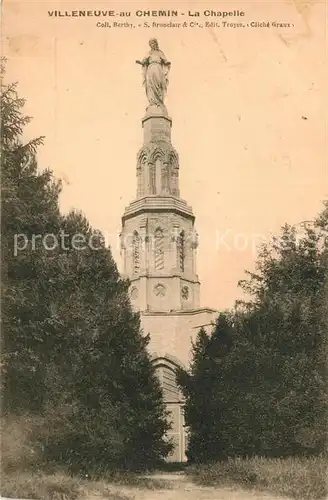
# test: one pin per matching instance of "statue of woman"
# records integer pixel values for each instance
(155, 72)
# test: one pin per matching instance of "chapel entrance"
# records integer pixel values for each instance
(166, 372)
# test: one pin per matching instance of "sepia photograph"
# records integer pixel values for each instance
(164, 250)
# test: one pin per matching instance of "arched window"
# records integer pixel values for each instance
(136, 252)
(159, 249)
(152, 178)
(140, 187)
(166, 371)
(181, 251)
(165, 178)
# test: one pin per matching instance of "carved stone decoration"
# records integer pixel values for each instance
(142, 156)
(185, 293)
(171, 157)
(181, 251)
(152, 178)
(158, 150)
(159, 290)
(146, 160)
(134, 294)
(136, 247)
(140, 184)
(159, 249)
(194, 240)
(165, 179)
(175, 180)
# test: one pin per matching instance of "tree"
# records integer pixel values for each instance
(29, 210)
(119, 415)
(288, 318)
(204, 402)
(73, 352)
(267, 393)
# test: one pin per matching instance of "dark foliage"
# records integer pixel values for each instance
(258, 383)
(73, 352)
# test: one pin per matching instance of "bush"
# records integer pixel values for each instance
(73, 351)
(58, 486)
(43, 487)
(19, 451)
(257, 384)
(299, 478)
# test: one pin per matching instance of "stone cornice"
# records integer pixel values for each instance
(158, 276)
(160, 115)
(158, 204)
(183, 312)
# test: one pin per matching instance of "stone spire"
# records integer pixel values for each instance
(157, 160)
(158, 237)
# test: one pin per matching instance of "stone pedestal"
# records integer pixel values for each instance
(157, 128)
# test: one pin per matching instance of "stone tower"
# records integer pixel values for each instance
(158, 243)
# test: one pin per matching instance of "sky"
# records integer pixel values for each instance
(247, 105)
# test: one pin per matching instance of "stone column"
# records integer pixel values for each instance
(174, 247)
(175, 181)
(165, 175)
(144, 246)
(152, 178)
(158, 178)
(194, 245)
(139, 181)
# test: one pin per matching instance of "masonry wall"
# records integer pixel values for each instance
(172, 333)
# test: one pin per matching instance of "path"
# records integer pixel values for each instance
(179, 487)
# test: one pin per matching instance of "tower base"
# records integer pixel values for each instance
(171, 337)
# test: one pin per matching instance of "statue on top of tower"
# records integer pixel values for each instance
(155, 73)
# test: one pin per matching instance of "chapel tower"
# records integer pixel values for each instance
(158, 243)
(159, 240)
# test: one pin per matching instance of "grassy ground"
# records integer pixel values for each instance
(144, 481)
(60, 486)
(299, 478)
(47, 487)
(254, 479)
(20, 460)
(56, 486)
